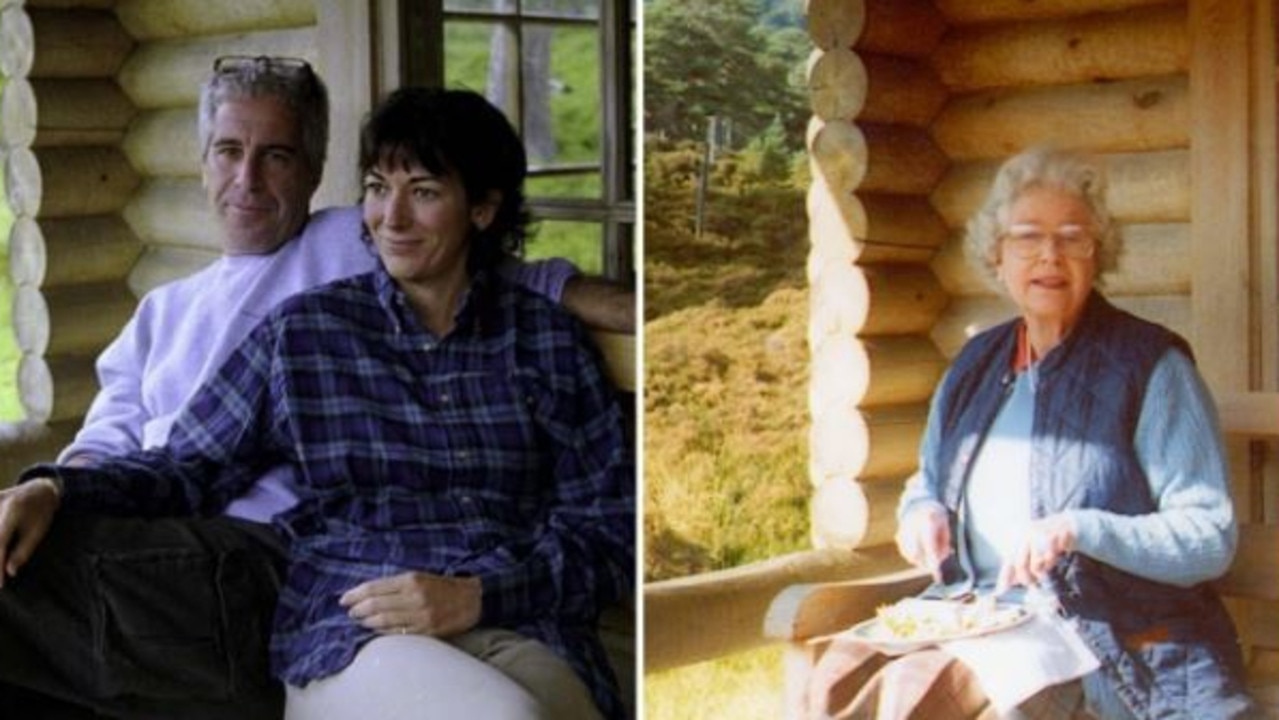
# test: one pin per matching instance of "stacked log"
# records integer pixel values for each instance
(78, 43)
(1125, 116)
(77, 331)
(76, 112)
(17, 113)
(94, 249)
(23, 187)
(17, 52)
(166, 73)
(20, 182)
(968, 12)
(27, 256)
(85, 181)
(172, 211)
(872, 233)
(148, 20)
(74, 253)
(163, 143)
(1071, 49)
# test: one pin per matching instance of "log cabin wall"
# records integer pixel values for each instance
(872, 233)
(116, 85)
(915, 104)
(86, 182)
(20, 179)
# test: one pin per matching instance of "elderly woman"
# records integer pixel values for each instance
(466, 490)
(1073, 451)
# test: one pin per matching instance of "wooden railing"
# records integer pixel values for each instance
(791, 598)
(618, 350)
(712, 615)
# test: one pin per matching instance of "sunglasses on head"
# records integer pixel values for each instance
(286, 66)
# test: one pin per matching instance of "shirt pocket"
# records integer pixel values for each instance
(180, 623)
(482, 433)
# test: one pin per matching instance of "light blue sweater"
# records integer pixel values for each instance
(1191, 537)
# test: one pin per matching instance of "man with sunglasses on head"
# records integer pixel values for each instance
(170, 618)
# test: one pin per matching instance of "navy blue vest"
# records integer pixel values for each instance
(1169, 652)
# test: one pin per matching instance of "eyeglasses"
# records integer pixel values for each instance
(282, 66)
(1028, 242)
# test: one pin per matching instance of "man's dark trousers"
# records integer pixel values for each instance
(130, 618)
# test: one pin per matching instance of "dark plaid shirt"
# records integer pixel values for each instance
(496, 451)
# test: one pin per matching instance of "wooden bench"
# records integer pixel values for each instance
(802, 615)
(1251, 586)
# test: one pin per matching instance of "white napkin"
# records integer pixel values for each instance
(1014, 664)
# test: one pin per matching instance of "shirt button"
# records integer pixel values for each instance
(444, 398)
(428, 346)
(466, 499)
(463, 454)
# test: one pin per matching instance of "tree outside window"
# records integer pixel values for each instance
(561, 70)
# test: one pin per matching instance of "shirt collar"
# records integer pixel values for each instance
(474, 313)
(1095, 307)
(1023, 357)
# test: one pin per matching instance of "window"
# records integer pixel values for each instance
(562, 70)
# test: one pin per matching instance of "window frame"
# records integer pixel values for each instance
(421, 61)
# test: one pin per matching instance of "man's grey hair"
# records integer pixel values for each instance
(299, 88)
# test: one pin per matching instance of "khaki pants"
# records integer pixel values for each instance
(480, 674)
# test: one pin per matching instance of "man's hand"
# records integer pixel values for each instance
(26, 512)
(416, 602)
(924, 537)
(599, 303)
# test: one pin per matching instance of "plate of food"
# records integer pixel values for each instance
(914, 623)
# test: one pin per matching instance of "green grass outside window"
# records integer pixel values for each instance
(575, 119)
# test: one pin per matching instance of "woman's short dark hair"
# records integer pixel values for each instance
(456, 132)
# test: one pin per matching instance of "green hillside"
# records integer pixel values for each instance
(726, 373)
